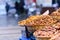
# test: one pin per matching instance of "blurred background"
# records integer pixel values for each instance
(12, 11)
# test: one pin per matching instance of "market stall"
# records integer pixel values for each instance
(42, 27)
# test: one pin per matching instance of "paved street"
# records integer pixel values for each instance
(9, 29)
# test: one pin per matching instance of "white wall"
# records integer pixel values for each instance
(2, 7)
(39, 2)
(44, 2)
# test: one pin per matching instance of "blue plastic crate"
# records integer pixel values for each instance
(25, 38)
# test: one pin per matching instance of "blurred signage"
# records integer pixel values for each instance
(45, 3)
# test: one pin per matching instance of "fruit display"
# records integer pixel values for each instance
(46, 32)
(38, 20)
(43, 20)
(43, 27)
(56, 37)
(56, 14)
(51, 32)
(57, 25)
(28, 20)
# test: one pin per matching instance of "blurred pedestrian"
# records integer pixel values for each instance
(21, 6)
(17, 7)
(7, 7)
(58, 1)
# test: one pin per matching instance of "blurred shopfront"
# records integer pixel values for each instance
(43, 3)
